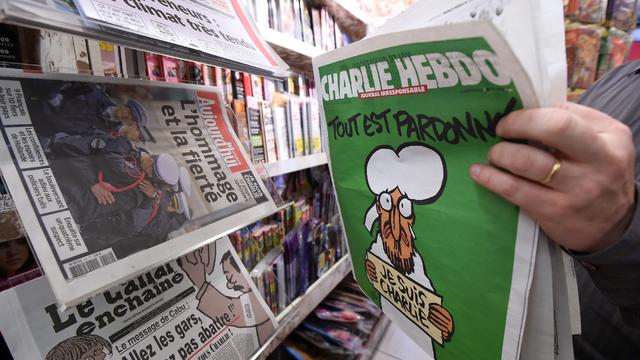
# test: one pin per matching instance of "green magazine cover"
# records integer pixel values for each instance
(405, 115)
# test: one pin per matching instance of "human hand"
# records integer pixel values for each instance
(441, 318)
(147, 188)
(103, 195)
(371, 270)
(198, 264)
(589, 202)
(194, 267)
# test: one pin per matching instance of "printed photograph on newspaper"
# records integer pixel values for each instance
(406, 114)
(103, 173)
(201, 306)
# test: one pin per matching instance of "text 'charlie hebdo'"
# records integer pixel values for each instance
(413, 74)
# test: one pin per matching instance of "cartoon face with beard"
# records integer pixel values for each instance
(413, 175)
(396, 220)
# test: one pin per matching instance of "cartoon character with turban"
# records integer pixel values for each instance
(414, 174)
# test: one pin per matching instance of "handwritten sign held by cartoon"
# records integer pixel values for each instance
(411, 298)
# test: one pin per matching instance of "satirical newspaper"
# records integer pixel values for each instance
(217, 27)
(112, 178)
(405, 115)
(201, 306)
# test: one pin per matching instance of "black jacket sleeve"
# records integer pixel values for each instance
(615, 270)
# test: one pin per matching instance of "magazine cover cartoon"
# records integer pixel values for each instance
(81, 347)
(202, 305)
(199, 266)
(406, 114)
(412, 175)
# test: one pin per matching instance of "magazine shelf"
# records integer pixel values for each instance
(298, 310)
(295, 164)
(294, 52)
(35, 15)
(352, 21)
(350, 9)
(375, 336)
(297, 53)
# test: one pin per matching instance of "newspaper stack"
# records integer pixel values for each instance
(202, 305)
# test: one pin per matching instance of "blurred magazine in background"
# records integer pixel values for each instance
(18, 264)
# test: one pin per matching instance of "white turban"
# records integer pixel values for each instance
(166, 168)
(184, 181)
(417, 170)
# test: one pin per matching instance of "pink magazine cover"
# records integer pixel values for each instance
(208, 74)
(154, 66)
(170, 66)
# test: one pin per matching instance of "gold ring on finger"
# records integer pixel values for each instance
(554, 170)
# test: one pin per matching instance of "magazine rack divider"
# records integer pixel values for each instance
(352, 21)
(294, 52)
(295, 164)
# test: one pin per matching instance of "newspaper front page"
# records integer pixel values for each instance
(405, 115)
(217, 27)
(112, 178)
(541, 52)
(538, 41)
(201, 306)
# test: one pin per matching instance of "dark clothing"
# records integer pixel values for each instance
(79, 159)
(609, 280)
(72, 108)
(77, 163)
(134, 221)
